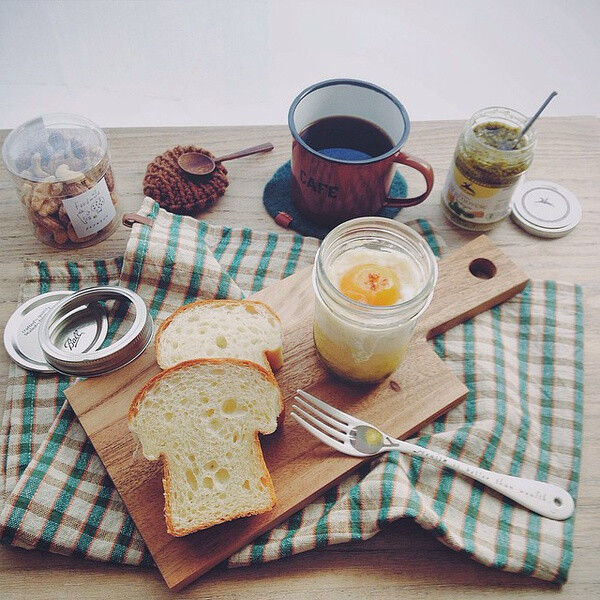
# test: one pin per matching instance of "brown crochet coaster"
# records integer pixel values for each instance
(180, 193)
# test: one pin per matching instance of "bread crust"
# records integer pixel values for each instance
(274, 356)
(181, 532)
(266, 477)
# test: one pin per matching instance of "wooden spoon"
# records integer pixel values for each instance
(196, 163)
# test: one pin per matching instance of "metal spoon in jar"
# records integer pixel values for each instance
(511, 145)
(196, 163)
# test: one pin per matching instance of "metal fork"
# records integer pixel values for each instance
(358, 438)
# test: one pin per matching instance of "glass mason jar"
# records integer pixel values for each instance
(60, 167)
(486, 168)
(360, 342)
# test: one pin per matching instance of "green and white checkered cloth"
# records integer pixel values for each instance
(522, 362)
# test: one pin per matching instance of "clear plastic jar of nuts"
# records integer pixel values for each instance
(61, 169)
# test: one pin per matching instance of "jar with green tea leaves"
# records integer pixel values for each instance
(489, 162)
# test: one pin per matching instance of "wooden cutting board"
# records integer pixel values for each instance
(471, 280)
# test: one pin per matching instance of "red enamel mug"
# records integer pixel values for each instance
(347, 139)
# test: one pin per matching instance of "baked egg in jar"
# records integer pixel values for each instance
(373, 277)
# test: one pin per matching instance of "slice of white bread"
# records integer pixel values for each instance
(202, 418)
(245, 329)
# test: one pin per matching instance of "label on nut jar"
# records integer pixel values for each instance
(91, 211)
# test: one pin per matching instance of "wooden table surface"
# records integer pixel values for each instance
(403, 560)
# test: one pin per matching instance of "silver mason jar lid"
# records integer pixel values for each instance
(87, 324)
(57, 344)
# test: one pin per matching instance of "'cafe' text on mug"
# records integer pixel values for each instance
(318, 186)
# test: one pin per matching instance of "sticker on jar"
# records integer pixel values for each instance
(474, 202)
(90, 211)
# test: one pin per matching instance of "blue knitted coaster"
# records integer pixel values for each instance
(277, 198)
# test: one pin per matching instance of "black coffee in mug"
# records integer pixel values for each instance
(347, 138)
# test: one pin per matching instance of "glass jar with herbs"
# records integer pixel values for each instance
(489, 162)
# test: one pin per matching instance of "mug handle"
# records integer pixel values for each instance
(420, 165)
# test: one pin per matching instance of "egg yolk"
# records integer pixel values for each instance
(371, 284)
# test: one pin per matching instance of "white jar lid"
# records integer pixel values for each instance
(545, 209)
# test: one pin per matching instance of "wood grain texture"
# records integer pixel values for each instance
(402, 559)
(301, 467)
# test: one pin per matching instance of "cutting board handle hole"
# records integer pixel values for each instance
(482, 268)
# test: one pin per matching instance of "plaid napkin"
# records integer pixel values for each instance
(522, 362)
